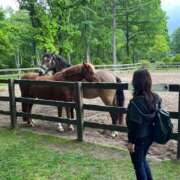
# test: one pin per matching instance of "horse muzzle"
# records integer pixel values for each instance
(42, 70)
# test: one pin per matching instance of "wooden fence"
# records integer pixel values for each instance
(80, 106)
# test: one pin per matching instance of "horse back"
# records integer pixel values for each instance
(105, 76)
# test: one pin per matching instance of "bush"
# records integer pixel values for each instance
(167, 59)
(145, 63)
(159, 64)
(97, 61)
(3, 66)
(176, 58)
(76, 61)
(127, 60)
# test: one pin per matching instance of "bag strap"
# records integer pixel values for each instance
(143, 114)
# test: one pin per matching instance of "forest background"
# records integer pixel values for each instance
(100, 31)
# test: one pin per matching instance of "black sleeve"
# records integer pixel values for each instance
(158, 100)
(133, 120)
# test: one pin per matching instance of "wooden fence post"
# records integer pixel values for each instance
(178, 141)
(12, 103)
(79, 111)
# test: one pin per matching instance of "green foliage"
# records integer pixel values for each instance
(159, 49)
(15, 40)
(175, 43)
(142, 21)
(127, 60)
(176, 58)
(145, 63)
(97, 61)
(79, 29)
(167, 59)
(160, 63)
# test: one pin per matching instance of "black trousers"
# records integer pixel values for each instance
(139, 161)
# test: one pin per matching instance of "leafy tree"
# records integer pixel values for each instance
(159, 49)
(175, 43)
(141, 21)
(100, 30)
(5, 45)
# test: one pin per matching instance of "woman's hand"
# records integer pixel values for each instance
(131, 147)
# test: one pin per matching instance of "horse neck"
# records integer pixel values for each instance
(72, 73)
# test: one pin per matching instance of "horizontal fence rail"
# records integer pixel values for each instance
(78, 104)
(18, 72)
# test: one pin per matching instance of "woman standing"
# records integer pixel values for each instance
(140, 115)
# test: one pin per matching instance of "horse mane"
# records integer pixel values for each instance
(62, 60)
(72, 70)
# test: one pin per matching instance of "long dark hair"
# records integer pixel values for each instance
(142, 84)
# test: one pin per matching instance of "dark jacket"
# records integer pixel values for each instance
(140, 118)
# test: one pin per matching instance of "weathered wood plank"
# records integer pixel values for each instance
(47, 118)
(12, 104)
(47, 102)
(175, 136)
(178, 142)
(174, 115)
(5, 112)
(79, 111)
(104, 85)
(104, 108)
(4, 98)
(3, 81)
(174, 87)
(51, 83)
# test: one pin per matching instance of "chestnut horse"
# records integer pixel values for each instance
(73, 73)
(54, 63)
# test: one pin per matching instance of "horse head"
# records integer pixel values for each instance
(88, 71)
(52, 63)
(47, 64)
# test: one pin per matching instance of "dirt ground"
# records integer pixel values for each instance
(157, 152)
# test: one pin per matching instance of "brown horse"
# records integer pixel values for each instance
(54, 63)
(73, 73)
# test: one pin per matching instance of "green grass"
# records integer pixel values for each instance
(25, 155)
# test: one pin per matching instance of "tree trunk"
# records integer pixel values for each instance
(69, 58)
(127, 30)
(114, 53)
(87, 56)
(87, 46)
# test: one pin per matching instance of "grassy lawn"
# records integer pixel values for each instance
(25, 155)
